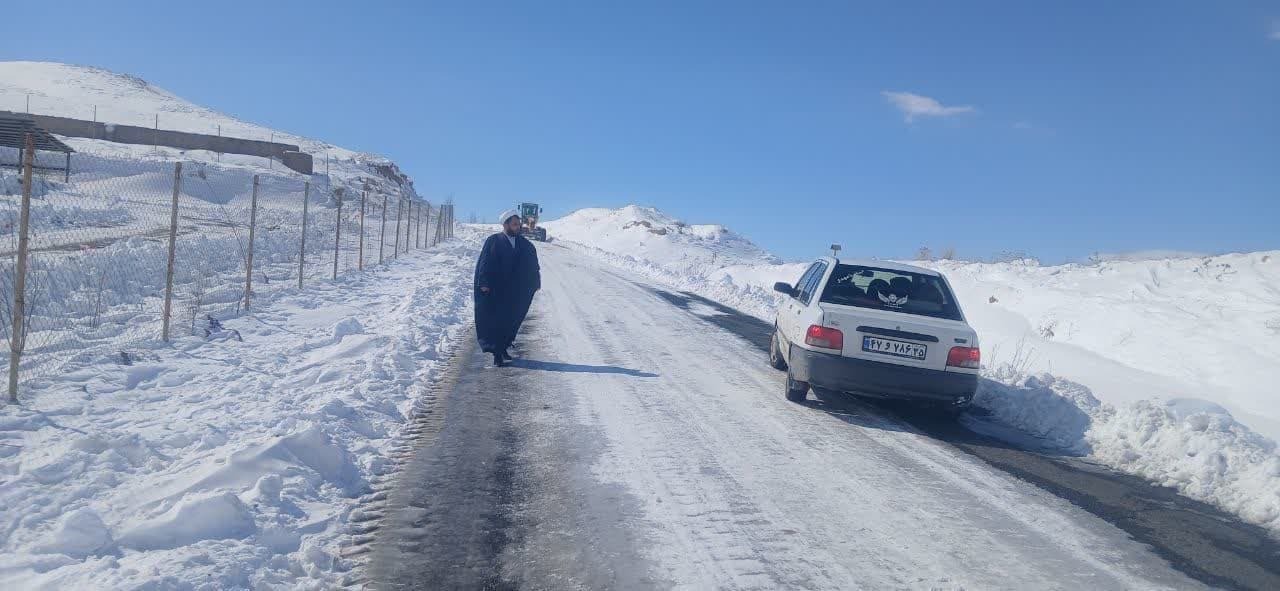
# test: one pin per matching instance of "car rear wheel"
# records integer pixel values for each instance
(796, 389)
(775, 356)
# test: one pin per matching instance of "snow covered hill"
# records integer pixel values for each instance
(648, 234)
(66, 90)
(83, 92)
(1154, 367)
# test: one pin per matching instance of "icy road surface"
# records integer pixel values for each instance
(642, 444)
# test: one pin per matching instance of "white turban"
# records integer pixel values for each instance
(506, 215)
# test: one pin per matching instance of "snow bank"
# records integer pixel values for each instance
(1193, 446)
(1057, 411)
(1202, 327)
(1183, 354)
(228, 463)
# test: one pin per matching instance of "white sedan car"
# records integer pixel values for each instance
(875, 328)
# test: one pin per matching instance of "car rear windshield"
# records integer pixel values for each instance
(886, 289)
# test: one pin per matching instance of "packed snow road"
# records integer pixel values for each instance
(641, 441)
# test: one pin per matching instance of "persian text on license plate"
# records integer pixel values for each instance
(895, 348)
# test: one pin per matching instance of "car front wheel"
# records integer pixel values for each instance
(775, 356)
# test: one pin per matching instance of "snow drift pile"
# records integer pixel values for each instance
(1165, 368)
(233, 462)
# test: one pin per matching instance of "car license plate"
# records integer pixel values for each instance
(895, 348)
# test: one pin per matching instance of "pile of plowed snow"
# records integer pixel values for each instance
(1165, 368)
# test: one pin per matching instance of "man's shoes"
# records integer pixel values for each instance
(497, 359)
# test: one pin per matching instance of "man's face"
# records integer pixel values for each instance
(512, 226)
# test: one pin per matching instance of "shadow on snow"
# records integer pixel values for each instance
(579, 368)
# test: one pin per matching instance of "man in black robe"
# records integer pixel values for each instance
(507, 275)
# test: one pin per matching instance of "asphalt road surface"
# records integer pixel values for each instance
(641, 441)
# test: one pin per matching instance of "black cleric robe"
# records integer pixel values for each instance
(512, 275)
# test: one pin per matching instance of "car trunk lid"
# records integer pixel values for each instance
(896, 337)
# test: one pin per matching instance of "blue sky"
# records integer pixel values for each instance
(1059, 129)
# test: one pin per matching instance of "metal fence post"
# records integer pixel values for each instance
(302, 250)
(337, 233)
(382, 238)
(439, 224)
(417, 233)
(360, 252)
(173, 247)
(253, 223)
(18, 338)
(396, 245)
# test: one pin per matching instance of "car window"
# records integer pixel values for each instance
(806, 291)
(804, 279)
(886, 289)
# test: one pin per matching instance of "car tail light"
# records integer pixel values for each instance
(827, 338)
(966, 357)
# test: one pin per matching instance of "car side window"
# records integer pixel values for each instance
(806, 292)
(804, 279)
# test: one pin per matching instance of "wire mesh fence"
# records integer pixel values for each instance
(133, 250)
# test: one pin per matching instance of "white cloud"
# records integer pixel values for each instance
(914, 105)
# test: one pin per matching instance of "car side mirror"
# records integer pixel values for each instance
(783, 287)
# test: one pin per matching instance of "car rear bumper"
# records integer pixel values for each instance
(882, 380)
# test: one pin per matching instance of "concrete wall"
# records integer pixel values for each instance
(297, 161)
(288, 154)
